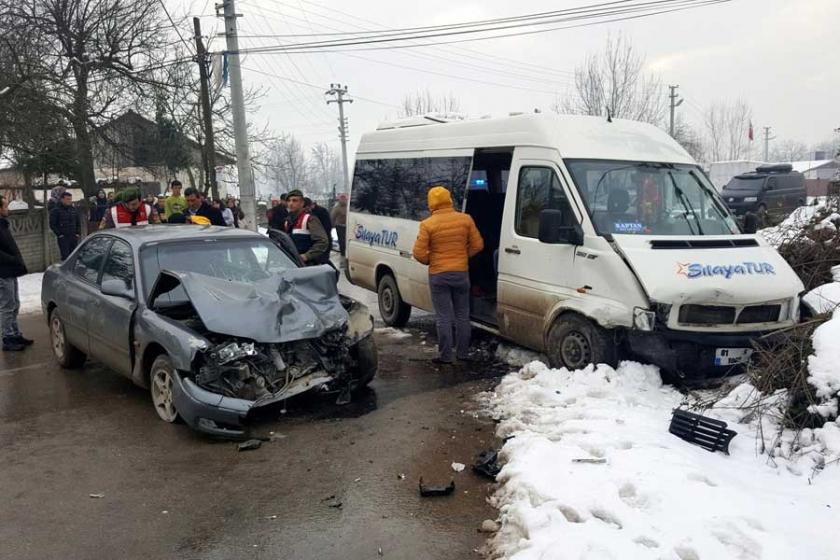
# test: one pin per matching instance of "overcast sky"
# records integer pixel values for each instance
(781, 56)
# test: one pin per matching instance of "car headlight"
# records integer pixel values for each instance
(643, 319)
(750, 199)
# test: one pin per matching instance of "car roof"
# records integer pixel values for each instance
(140, 235)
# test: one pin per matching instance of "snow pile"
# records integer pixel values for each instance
(825, 298)
(824, 368)
(29, 288)
(517, 356)
(592, 472)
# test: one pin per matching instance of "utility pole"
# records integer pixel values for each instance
(340, 92)
(767, 139)
(674, 104)
(240, 126)
(209, 142)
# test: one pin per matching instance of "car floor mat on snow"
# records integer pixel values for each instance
(486, 464)
(708, 433)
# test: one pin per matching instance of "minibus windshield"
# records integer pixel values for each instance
(639, 198)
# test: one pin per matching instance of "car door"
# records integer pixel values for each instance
(533, 276)
(82, 290)
(111, 316)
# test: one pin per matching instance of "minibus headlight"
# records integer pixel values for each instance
(643, 319)
(750, 199)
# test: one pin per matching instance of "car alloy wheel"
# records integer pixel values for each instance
(57, 335)
(161, 388)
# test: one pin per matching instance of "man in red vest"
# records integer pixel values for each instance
(306, 231)
(130, 210)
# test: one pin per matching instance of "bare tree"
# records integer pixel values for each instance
(91, 54)
(690, 139)
(788, 150)
(727, 130)
(424, 102)
(614, 82)
(286, 168)
(325, 169)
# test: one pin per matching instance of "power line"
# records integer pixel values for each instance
(475, 55)
(516, 75)
(641, 10)
(357, 97)
(175, 27)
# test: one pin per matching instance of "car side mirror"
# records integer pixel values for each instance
(116, 288)
(552, 230)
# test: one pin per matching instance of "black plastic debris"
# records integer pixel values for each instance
(428, 491)
(333, 501)
(249, 445)
(486, 464)
(708, 433)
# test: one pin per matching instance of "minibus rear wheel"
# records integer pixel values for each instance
(395, 312)
(574, 342)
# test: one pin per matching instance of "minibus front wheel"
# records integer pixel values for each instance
(574, 342)
(395, 312)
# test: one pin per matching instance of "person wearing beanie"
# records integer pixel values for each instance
(446, 241)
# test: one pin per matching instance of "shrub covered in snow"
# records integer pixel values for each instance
(809, 240)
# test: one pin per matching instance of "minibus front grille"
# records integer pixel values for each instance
(693, 314)
(707, 315)
(702, 243)
(760, 314)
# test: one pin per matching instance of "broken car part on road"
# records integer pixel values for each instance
(708, 433)
(429, 491)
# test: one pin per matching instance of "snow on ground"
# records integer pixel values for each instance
(592, 472)
(825, 298)
(517, 356)
(797, 221)
(29, 287)
(393, 333)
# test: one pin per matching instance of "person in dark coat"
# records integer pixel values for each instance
(11, 268)
(306, 231)
(196, 206)
(279, 213)
(97, 211)
(323, 216)
(65, 224)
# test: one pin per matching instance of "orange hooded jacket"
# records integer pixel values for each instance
(447, 239)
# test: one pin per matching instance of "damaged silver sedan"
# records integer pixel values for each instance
(214, 321)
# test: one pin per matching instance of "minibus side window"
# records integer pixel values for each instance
(539, 189)
(398, 187)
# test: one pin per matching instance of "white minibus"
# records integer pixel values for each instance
(603, 239)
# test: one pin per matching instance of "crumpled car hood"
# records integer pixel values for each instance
(297, 304)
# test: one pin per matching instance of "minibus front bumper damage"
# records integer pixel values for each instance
(690, 355)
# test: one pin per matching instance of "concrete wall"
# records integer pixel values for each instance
(36, 242)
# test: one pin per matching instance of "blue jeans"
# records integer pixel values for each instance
(9, 306)
(451, 299)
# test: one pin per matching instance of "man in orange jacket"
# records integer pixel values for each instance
(446, 242)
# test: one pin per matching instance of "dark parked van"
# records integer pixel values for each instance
(775, 189)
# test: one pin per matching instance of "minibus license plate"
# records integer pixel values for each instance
(730, 356)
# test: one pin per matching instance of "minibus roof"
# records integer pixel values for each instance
(574, 136)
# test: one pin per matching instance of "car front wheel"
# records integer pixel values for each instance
(67, 355)
(161, 379)
(575, 342)
(367, 363)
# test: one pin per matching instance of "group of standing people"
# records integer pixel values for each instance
(128, 208)
(309, 224)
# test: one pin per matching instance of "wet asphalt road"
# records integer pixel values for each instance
(170, 493)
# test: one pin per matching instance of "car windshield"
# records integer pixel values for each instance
(240, 260)
(745, 184)
(638, 198)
